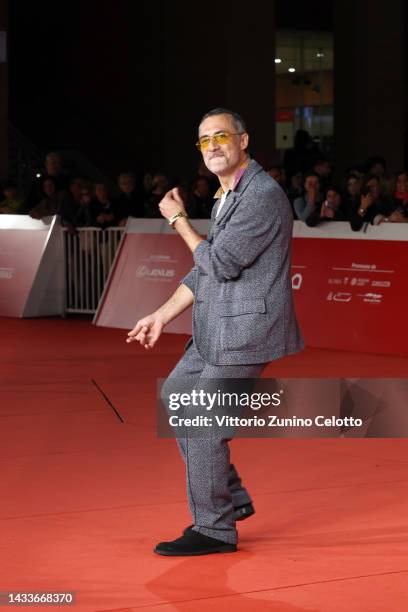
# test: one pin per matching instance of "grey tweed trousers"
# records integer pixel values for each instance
(214, 486)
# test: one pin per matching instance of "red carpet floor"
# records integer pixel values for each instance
(85, 497)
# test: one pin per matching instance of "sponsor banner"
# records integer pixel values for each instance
(146, 272)
(26, 283)
(348, 294)
(19, 260)
(347, 285)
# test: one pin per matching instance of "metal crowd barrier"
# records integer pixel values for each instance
(89, 255)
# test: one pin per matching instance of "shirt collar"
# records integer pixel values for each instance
(220, 191)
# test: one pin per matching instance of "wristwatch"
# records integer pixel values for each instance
(174, 218)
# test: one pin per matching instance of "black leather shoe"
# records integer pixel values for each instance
(243, 512)
(193, 543)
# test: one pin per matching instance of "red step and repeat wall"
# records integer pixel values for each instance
(349, 287)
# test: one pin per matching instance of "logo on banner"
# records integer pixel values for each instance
(381, 284)
(6, 273)
(359, 282)
(297, 280)
(373, 298)
(144, 271)
(358, 266)
(339, 297)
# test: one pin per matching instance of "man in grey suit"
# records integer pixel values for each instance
(243, 316)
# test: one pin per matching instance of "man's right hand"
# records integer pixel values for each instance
(146, 331)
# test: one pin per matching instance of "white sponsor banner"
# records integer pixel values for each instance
(32, 272)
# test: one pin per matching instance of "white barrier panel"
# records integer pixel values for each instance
(31, 267)
(89, 254)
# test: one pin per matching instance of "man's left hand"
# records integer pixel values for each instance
(172, 203)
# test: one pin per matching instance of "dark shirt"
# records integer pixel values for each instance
(314, 218)
(351, 205)
(401, 206)
(383, 206)
(110, 208)
(200, 208)
(151, 206)
(67, 208)
(130, 205)
(47, 206)
(84, 217)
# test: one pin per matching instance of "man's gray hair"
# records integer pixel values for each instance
(238, 121)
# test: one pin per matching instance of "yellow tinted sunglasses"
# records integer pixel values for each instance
(220, 138)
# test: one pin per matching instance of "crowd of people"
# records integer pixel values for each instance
(81, 202)
(366, 193)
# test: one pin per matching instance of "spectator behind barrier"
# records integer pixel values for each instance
(330, 210)
(375, 207)
(84, 216)
(322, 168)
(376, 166)
(352, 200)
(49, 205)
(70, 202)
(295, 189)
(53, 169)
(400, 214)
(105, 209)
(160, 185)
(311, 198)
(278, 173)
(12, 204)
(131, 198)
(356, 170)
(201, 200)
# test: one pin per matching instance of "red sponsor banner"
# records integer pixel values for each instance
(348, 288)
(349, 293)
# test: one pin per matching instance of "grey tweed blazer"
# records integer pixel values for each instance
(243, 308)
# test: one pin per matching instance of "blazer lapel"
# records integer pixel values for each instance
(252, 169)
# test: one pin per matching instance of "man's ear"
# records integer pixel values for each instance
(244, 141)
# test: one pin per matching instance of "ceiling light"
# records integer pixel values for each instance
(291, 69)
(278, 60)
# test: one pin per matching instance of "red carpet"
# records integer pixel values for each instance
(85, 497)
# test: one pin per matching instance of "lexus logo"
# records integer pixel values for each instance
(145, 272)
